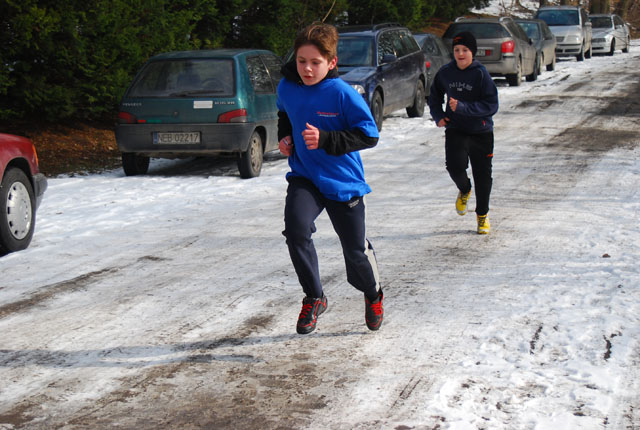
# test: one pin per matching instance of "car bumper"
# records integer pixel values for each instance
(39, 187)
(214, 138)
(506, 66)
(568, 49)
(600, 45)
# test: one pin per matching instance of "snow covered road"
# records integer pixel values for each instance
(169, 301)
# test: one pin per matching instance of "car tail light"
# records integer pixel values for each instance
(126, 118)
(508, 47)
(238, 115)
(427, 64)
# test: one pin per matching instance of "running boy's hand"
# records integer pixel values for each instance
(311, 136)
(444, 121)
(285, 146)
(453, 103)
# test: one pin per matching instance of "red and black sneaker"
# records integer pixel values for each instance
(373, 312)
(312, 307)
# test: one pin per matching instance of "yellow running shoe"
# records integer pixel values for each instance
(461, 202)
(483, 224)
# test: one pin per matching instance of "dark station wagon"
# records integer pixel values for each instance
(384, 63)
(201, 103)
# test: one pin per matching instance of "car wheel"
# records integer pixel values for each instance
(626, 48)
(250, 161)
(18, 218)
(580, 56)
(514, 79)
(613, 47)
(377, 108)
(551, 66)
(134, 164)
(536, 68)
(417, 109)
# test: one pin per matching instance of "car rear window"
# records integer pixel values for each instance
(480, 30)
(185, 78)
(559, 17)
(355, 51)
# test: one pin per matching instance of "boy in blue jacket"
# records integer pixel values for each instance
(472, 100)
(322, 124)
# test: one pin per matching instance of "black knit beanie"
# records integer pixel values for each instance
(467, 39)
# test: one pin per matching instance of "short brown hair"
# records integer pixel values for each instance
(322, 36)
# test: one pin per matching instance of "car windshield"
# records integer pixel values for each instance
(559, 17)
(601, 22)
(531, 28)
(185, 78)
(481, 30)
(355, 51)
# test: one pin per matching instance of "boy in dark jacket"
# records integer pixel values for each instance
(472, 100)
(322, 125)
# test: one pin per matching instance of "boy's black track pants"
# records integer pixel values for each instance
(304, 203)
(460, 148)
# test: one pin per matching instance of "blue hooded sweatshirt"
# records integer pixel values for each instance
(338, 111)
(475, 91)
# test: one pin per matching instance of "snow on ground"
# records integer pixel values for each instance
(168, 300)
(515, 8)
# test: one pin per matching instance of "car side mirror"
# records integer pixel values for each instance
(389, 58)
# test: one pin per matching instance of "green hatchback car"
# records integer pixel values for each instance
(201, 103)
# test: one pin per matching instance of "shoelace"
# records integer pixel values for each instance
(482, 221)
(306, 307)
(376, 307)
(465, 198)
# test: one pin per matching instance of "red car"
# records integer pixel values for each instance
(21, 192)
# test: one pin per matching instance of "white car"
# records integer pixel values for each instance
(572, 28)
(610, 33)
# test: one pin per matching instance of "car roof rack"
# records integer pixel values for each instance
(486, 18)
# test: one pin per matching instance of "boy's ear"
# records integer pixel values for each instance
(333, 63)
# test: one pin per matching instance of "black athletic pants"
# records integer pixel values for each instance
(460, 148)
(303, 205)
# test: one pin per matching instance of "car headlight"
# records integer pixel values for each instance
(572, 39)
(358, 88)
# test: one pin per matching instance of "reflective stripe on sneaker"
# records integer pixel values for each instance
(311, 308)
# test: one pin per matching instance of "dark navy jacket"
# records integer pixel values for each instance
(475, 91)
(346, 126)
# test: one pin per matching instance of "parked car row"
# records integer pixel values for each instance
(513, 48)
(211, 102)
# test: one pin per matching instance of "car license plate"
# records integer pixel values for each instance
(168, 138)
(480, 53)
